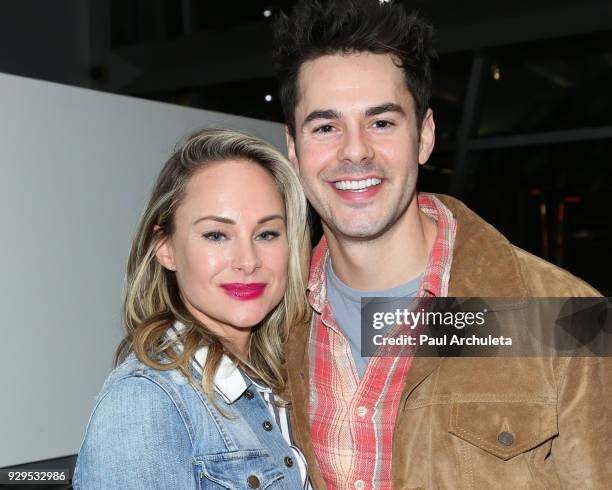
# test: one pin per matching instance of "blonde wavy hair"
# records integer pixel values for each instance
(151, 298)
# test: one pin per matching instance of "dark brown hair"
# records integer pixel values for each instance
(318, 27)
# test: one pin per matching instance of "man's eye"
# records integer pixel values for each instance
(267, 235)
(382, 124)
(214, 236)
(326, 128)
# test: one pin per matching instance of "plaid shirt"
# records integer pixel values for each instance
(352, 420)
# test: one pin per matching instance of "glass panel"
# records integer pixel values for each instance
(552, 200)
(250, 98)
(548, 85)
(436, 174)
(141, 21)
(450, 74)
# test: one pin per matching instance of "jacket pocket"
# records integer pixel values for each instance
(239, 469)
(503, 429)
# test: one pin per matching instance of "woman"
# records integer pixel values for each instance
(215, 278)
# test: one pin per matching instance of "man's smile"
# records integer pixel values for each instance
(357, 185)
(357, 190)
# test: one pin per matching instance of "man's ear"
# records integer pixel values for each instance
(164, 252)
(428, 137)
(291, 153)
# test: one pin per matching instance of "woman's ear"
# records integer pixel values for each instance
(164, 252)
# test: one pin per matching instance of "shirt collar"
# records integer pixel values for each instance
(436, 276)
(437, 273)
(316, 280)
(229, 382)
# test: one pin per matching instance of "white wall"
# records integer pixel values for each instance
(75, 169)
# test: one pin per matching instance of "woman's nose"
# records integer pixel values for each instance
(246, 258)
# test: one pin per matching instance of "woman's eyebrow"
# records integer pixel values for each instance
(270, 218)
(220, 219)
(228, 221)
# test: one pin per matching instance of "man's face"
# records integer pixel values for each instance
(357, 147)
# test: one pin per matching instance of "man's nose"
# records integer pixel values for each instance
(355, 147)
(245, 257)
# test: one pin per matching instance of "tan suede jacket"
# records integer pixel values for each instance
(558, 410)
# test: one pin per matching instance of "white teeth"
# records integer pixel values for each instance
(356, 185)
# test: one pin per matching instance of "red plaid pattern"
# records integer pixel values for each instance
(352, 420)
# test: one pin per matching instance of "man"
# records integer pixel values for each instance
(354, 84)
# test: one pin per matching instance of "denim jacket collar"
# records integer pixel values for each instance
(229, 382)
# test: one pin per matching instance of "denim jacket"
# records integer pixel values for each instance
(152, 429)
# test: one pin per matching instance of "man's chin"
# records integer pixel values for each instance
(358, 231)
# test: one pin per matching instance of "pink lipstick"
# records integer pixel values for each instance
(244, 291)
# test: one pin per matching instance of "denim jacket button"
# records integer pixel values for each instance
(253, 481)
(505, 438)
(288, 462)
(248, 394)
(267, 425)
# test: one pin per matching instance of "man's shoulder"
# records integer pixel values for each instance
(485, 263)
(545, 279)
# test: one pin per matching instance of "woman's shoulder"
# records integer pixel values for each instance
(135, 382)
(135, 391)
(138, 414)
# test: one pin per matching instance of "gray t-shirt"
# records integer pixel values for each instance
(345, 303)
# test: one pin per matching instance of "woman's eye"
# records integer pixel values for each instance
(214, 236)
(268, 235)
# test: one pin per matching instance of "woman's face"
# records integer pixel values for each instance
(229, 248)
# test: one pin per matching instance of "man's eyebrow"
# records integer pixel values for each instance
(381, 109)
(321, 114)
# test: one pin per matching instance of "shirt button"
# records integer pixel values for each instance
(505, 438)
(248, 394)
(359, 485)
(288, 462)
(267, 425)
(253, 481)
(361, 411)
